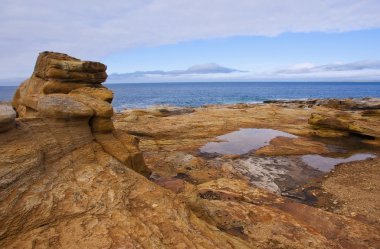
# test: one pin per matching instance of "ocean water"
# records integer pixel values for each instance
(198, 94)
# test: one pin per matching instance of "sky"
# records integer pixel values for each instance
(183, 40)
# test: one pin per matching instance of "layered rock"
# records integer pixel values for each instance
(351, 104)
(86, 198)
(350, 123)
(264, 220)
(67, 90)
(339, 117)
(66, 184)
(68, 178)
(342, 122)
(70, 81)
(64, 68)
(269, 221)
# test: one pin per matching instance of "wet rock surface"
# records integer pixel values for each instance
(291, 195)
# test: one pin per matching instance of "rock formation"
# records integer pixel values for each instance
(67, 90)
(363, 124)
(65, 180)
(69, 179)
(171, 149)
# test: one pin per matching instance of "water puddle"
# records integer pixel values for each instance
(326, 164)
(282, 174)
(243, 141)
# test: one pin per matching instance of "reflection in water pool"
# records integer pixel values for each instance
(328, 163)
(243, 141)
(281, 174)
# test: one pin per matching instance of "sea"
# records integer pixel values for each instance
(143, 95)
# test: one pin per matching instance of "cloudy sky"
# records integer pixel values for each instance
(196, 40)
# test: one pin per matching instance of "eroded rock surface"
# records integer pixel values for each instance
(231, 191)
(68, 92)
(70, 179)
(258, 216)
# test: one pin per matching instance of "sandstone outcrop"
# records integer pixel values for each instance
(68, 90)
(80, 196)
(350, 104)
(269, 221)
(62, 77)
(71, 175)
(66, 184)
(351, 123)
(64, 68)
(340, 121)
(222, 190)
(339, 117)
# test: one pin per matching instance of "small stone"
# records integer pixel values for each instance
(7, 117)
(154, 205)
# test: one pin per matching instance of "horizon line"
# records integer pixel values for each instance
(200, 82)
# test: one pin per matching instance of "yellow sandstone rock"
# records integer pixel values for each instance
(62, 67)
(96, 92)
(101, 108)
(66, 182)
(103, 125)
(62, 106)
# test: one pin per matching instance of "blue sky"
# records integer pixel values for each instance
(219, 40)
(252, 52)
(258, 55)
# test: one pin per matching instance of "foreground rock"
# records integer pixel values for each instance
(257, 216)
(221, 189)
(356, 196)
(62, 184)
(86, 198)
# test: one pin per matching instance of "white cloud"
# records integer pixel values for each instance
(93, 29)
(368, 70)
(193, 72)
(307, 68)
(298, 68)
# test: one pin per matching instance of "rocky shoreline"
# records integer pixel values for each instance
(333, 128)
(75, 174)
